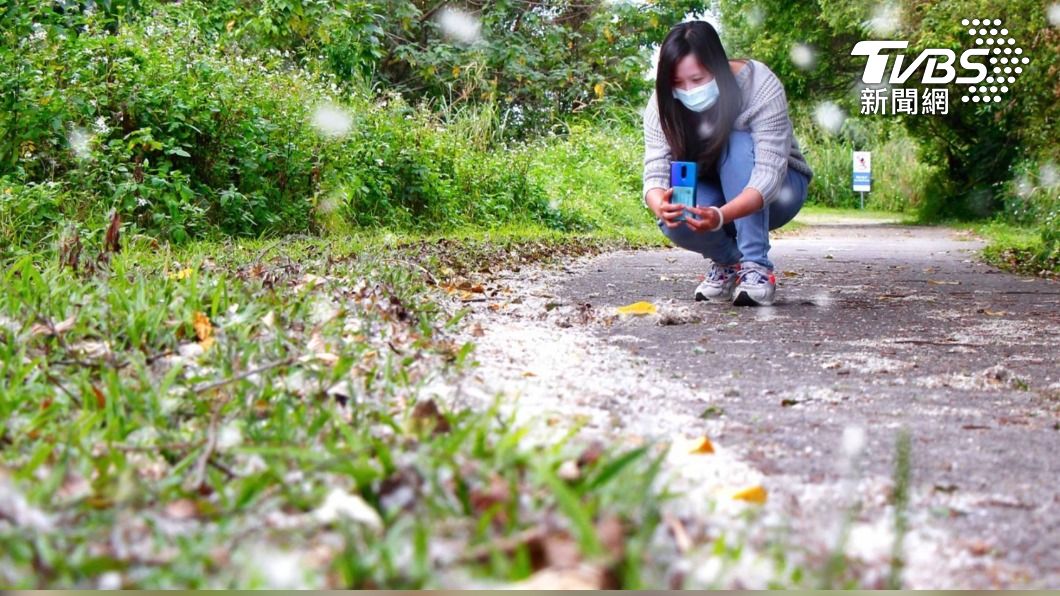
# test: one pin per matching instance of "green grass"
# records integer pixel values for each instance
(1015, 248)
(153, 444)
(179, 418)
(848, 213)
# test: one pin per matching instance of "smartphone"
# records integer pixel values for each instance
(683, 181)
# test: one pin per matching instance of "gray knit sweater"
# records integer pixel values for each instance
(763, 112)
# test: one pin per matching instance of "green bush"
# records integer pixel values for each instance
(186, 136)
(901, 180)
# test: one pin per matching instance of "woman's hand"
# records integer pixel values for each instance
(708, 219)
(665, 210)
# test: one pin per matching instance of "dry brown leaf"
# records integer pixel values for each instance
(591, 455)
(57, 329)
(680, 534)
(203, 329)
(101, 400)
(427, 415)
(496, 493)
(182, 509)
(993, 313)
(612, 534)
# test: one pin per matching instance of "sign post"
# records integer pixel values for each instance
(862, 173)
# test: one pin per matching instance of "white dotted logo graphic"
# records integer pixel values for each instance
(1006, 60)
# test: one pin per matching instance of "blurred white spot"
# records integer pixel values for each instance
(332, 121)
(1053, 13)
(79, 140)
(230, 437)
(280, 569)
(459, 25)
(822, 299)
(756, 16)
(765, 313)
(100, 126)
(110, 580)
(1024, 186)
(829, 116)
(853, 441)
(339, 503)
(1048, 175)
(803, 56)
(16, 509)
(330, 202)
(786, 194)
(553, 204)
(885, 20)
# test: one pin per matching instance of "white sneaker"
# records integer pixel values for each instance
(755, 285)
(718, 283)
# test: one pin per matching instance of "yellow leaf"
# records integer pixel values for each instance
(752, 494)
(456, 71)
(599, 89)
(182, 274)
(608, 35)
(637, 308)
(203, 329)
(229, 25)
(702, 445)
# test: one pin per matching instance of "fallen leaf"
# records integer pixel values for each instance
(182, 274)
(426, 415)
(637, 308)
(56, 329)
(702, 445)
(612, 534)
(752, 494)
(677, 529)
(591, 455)
(182, 509)
(496, 493)
(203, 329)
(101, 400)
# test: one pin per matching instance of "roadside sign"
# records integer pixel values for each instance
(862, 171)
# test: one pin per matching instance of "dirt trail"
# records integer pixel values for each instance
(876, 327)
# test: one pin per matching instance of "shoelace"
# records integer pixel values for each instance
(752, 275)
(718, 273)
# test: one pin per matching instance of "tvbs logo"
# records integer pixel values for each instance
(987, 69)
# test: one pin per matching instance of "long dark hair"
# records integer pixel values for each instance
(678, 122)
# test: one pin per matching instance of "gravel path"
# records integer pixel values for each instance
(877, 327)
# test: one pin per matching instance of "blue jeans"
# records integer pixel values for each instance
(746, 238)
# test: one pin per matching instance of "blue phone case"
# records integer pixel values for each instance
(683, 181)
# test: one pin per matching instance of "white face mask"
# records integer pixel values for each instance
(699, 98)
